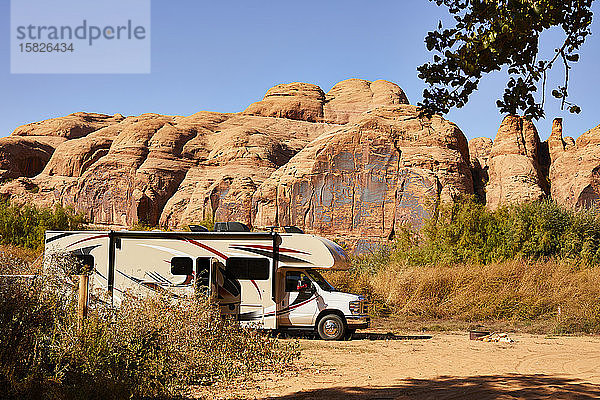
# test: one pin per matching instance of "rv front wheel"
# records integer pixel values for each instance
(331, 327)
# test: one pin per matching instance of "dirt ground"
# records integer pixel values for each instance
(445, 366)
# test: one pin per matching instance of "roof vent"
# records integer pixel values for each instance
(231, 227)
(198, 228)
(292, 229)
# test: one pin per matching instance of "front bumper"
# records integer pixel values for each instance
(358, 321)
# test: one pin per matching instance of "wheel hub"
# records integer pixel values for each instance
(331, 328)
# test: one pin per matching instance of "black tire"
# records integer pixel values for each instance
(331, 327)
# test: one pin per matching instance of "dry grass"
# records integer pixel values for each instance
(548, 297)
(151, 346)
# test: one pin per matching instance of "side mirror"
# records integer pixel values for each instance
(182, 266)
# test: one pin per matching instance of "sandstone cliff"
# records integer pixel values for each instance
(515, 171)
(575, 170)
(354, 163)
(363, 180)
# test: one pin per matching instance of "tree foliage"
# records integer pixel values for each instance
(492, 34)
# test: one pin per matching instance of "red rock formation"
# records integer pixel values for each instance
(244, 152)
(360, 182)
(170, 170)
(515, 173)
(356, 162)
(575, 171)
(29, 148)
(23, 156)
(301, 101)
(72, 126)
(352, 97)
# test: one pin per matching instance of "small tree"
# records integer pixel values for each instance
(491, 34)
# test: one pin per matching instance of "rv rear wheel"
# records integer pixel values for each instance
(331, 327)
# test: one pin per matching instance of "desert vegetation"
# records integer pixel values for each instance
(531, 266)
(150, 346)
(24, 224)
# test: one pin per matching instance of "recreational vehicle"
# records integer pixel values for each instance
(268, 279)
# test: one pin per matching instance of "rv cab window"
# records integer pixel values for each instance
(182, 266)
(248, 268)
(296, 281)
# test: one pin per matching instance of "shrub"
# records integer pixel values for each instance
(467, 232)
(518, 263)
(159, 345)
(558, 297)
(150, 346)
(30, 313)
(24, 225)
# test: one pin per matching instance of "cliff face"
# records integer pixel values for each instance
(354, 163)
(515, 172)
(575, 170)
(363, 180)
(521, 168)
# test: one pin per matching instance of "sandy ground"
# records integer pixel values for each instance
(446, 366)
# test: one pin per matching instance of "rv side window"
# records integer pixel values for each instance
(182, 266)
(248, 268)
(85, 261)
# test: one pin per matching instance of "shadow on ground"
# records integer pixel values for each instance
(387, 336)
(356, 336)
(476, 387)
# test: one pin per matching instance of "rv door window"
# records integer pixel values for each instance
(248, 268)
(182, 266)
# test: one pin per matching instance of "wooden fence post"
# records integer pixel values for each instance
(82, 304)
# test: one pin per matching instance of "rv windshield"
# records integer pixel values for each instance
(323, 284)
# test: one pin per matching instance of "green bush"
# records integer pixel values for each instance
(468, 232)
(32, 310)
(24, 225)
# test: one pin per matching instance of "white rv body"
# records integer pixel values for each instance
(269, 280)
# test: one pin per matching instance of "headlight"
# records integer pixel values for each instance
(355, 307)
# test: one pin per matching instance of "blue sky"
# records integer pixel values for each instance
(222, 56)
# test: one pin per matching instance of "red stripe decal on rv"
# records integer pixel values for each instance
(286, 310)
(257, 289)
(86, 239)
(205, 247)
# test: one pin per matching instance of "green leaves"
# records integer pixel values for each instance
(572, 57)
(25, 225)
(467, 232)
(490, 35)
